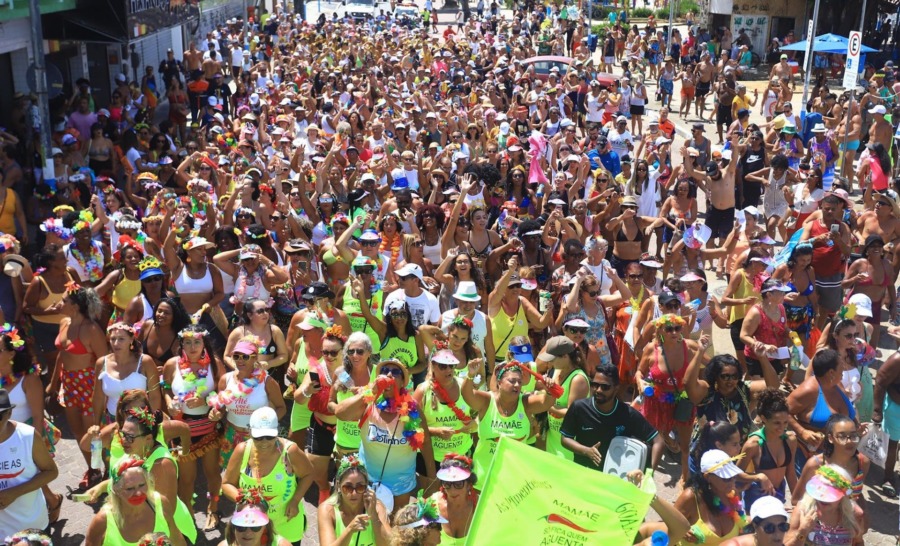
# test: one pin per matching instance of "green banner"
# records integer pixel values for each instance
(532, 498)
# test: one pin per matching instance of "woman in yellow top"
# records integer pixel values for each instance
(742, 293)
(710, 503)
(511, 313)
(12, 214)
(43, 301)
(124, 282)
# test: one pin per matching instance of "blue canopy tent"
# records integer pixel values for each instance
(827, 43)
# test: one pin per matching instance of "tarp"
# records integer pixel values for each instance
(532, 498)
(827, 43)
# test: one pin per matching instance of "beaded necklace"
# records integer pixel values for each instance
(444, 397)
(92, 264)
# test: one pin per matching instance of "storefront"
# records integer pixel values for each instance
(761, 20)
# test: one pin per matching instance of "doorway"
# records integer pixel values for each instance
(781, 26)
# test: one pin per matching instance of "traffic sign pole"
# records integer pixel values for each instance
(851, 77)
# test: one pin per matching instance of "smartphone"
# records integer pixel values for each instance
(314, 377)
(835, 228)
(303, 266)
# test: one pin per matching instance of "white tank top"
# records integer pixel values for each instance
(479, 327)
(113, 388)
(22, 411)
(182, 390)
(148, 309)
(242, 407)
(28, 511)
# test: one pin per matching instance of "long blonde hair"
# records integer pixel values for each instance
(114, 503)
(807, 505)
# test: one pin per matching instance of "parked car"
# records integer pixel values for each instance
(358, 10)
(407, 15)
(543, 63)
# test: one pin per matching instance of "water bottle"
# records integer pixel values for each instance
(96, 453)
(659, 538)
(649, 391)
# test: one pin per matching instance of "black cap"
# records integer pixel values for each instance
(667, 298)
(698, 127)
(602, 140)
(317, 290)
(4, 401)
(712, 168)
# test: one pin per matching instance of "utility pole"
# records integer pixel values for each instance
(671, 27)
(40, 87)
(862, 24)
(810, 48)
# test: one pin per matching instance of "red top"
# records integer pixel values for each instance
(827, 260)
(769, 331)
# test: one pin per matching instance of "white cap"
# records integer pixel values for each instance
(504, 128)
(213, 101)
(264, 422)
(662, 140)
(767, 507)
(716, 461)
(254, 99)
(878, 109)
(410, 269)
(863, 304)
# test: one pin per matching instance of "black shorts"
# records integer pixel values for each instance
(636, 110)
(620, 265)
(721, 222)
(723, 116)
(754, 368)
(703, 89)
(735, 329)
(319, 437)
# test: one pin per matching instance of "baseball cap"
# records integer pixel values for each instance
(556, 346)
(264, 422)
(767, 507)
(717, 462)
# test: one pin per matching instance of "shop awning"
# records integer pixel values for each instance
(75, 26)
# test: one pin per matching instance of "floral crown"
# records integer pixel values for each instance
(122, 225)
(187, 334)
(149, 262)
(121, 326)
(56, 227)
(255, 236)
(72, 287)
(440, 345)
(348, 462)
(144, 415)
(337, 332)
(153, 218)
(31, 536)
(116, 473)
(847, 312)
(9, 330)
(463, 321)
(670, 319)
(834, 477)
(161, 540)
(198, 183)
(125, 241)
(426, 514)
(459, 458)
(85, 219)
(251, 495)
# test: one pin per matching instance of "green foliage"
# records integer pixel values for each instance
(641, 13)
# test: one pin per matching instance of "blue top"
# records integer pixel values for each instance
(821, 413)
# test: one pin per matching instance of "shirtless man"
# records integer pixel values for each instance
(719, 182)
(193, 58)
(211, 64)
(688, 89)
(887, 403)
(880, 130)
(883, 221)
(849, 145)
(783, 70)
(704, 75)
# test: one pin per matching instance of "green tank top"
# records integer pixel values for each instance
(443, 416)
(490, 429)
(114, 537)
(347, 432)
(278, 487)
(182, 517)
(505, 327)
(447, 540)
(358, 322)
(404, 351)
(364, 538)
(300, 413)
(554, 438)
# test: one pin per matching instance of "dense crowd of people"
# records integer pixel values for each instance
(354, 256)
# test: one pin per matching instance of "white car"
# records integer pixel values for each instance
(358, 10)
(408, 15)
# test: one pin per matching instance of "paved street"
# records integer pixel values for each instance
(883, 514)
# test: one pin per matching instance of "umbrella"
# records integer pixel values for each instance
(827, 43)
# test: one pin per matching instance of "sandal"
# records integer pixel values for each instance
(54, 511)
(888, 489)
(213, 519)
(85, 482)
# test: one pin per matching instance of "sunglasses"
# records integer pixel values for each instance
(574, 330)
(154, 278)
(593, 294)
(349, 488)
(365, 271)
(397, 314)
(332, 354)
(673, 329)
(393, 372)
(445, 367)
(369, 243)
(453, 485)
(882, 204)
(205, 168)
(127, 438)
(770, 528)
(244, 216)
(265, 438)
(728, 376)
(277, 217)
(418, 244)
(262, 311)
(239, 529)
(602, 386)
(352, 352)
(241, 356)
(636, 276)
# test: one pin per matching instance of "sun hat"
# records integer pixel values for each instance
(467, 291)
(198, 242)
(445, 356)
(522, 353)
(829, 484)
(576, 323)
(690, 276)
(250, 251)
(717, 462)
(263, 422)
(863, 304)
(556, 346)
(767, 507)
(819, 128)
(453, 474)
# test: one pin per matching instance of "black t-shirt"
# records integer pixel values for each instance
(587, 426)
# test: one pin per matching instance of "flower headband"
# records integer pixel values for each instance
(187, 334)
(457, 457)
(427, 513)
(122, 225)
(125, 241)
(72, 287)
(9, 330)
(63, 208)
(348, 462)
(251, 495)
(122, 326)
(56, 227)
(847, 312)
(834, 478)
(144, 415)
(153, 218)
(149, 262)
(161, 540)
(336, 331)
(124, 466)
(31, 536)
(463, 321)
(670, 319)
(262, 235)
(198, 183)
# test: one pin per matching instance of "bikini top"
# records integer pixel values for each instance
(623, 237)
(822, 412)
(806, 291)
(766, 460)
(75, 347)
